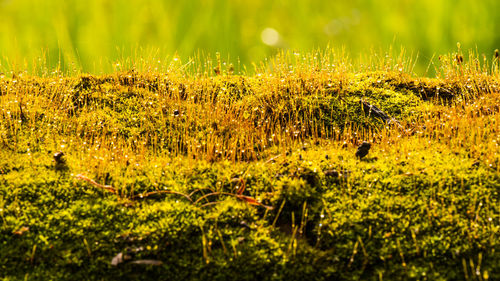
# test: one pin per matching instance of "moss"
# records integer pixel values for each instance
(250, 177)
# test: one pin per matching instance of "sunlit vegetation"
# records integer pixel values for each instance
(197, 170)
(87, 34)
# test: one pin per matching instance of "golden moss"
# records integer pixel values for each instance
(249, 174)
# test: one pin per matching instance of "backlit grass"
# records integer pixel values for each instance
(87, 35)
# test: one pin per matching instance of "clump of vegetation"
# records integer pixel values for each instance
(207, 174)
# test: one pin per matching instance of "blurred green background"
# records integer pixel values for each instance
(90, 35)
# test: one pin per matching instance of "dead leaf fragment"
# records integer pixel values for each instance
(21, 230)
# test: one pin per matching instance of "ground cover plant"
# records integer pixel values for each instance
(196, 171)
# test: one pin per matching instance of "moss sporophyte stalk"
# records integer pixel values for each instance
(313, 167)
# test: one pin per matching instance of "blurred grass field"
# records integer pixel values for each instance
(91, 35)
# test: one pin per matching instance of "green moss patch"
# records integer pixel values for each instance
(171, 176)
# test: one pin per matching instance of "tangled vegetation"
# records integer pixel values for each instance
(209, 175)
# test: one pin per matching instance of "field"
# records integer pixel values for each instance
(89, 34)
(192, 171)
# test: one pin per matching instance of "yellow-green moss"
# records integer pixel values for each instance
(250, 177)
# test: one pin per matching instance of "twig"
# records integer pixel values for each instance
(247, 199)
(272, 159)
(251, 201)
(142, 195)
(211, 194)
(94, 183)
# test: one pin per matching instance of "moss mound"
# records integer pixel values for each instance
(142, 175)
